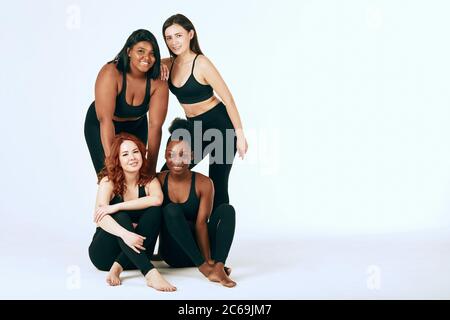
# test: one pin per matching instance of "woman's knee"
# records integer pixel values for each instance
(152, 214)
(101, 263)
(121, 217)
(226, 209)
(154, 210)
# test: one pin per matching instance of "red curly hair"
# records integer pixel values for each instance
(113, 169)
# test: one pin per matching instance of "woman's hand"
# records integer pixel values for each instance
(134, 241)
(164, 72)
(242, 146)
(105, 210)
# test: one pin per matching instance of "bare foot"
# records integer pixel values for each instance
(156, 281)
(225, 280)
(217, 273)
(113, 277)
(206, 269)
(228, 282)
(227, 270)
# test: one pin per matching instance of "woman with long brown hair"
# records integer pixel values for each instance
(194, 80)
(127, 214)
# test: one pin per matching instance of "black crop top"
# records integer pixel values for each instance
(192, 91)
(124, 110)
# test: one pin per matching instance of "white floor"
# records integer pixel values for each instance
(396, 266)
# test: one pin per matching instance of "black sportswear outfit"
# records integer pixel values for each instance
(192, 91)
(177, 240)
(216, 118)
(138, 127)
(107, 248)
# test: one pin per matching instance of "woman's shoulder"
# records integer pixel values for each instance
(203, 65)
(203, 61)
(154, 182)
(202, 181)
(158, 83)
(161, 175)
(110, 68)
(106, 183)
(109, 71)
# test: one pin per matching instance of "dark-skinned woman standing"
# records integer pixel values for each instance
(130, 98)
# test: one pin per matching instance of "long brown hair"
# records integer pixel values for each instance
(188, 26)
(113, 170)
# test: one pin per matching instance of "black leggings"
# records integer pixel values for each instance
(139, 128)
(106, 248)
(177, 242)
(216, 118)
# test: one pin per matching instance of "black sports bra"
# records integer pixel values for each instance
(192, 91)
(190, 206)
(123, 109)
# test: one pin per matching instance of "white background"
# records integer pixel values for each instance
(345, 105)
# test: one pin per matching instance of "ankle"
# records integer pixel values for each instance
(151, 273)
(205, 268)
(116, 267)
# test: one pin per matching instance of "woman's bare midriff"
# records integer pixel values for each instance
(195, 109)
(125, 119)
(191, 110)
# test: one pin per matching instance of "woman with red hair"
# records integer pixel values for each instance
(127, 214)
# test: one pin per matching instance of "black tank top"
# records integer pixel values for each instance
(123, 109)
(192, 91)
(190, 206)
(134, 214)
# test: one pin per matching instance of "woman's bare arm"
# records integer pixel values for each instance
(105, 103)
(206, 192)
(104, 195)
(156, 118)
(154, 198)
(212, 77)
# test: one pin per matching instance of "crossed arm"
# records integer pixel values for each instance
(103, 211)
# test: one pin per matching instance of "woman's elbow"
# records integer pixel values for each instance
(159, 200)
(102, 119)
(155, 127)
(200, 225)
